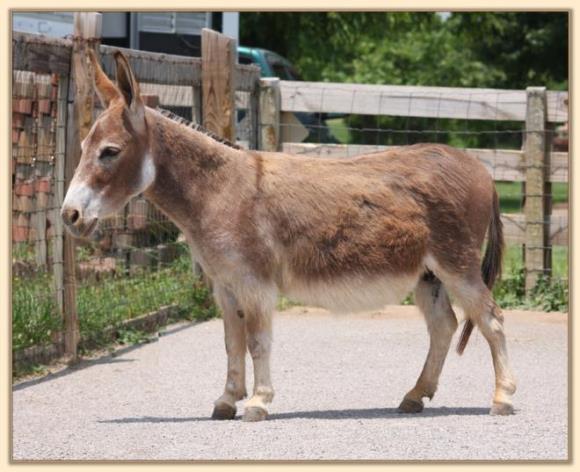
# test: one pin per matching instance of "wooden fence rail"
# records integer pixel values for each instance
(426, 102)
(503, 165)
(47, 55)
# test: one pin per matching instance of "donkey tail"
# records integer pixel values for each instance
(491, 266)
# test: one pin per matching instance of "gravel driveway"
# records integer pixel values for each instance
(338, 382)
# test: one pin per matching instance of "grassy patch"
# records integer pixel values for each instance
(339, 129)
(285, 303)
(550, 293)
(510, 195)
(513, 260)
(107, 303)
(35, 314)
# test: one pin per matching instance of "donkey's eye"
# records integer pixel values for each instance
(109, 153)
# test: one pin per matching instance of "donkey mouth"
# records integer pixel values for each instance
(83, 230)
(90, 227)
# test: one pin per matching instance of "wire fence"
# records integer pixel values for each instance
(347, 120)
(35, 207)
(135, 271)
(137, 261)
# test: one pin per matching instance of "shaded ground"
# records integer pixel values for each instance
(338, 381)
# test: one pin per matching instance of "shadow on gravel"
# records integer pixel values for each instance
(375, 413)
(368, 413)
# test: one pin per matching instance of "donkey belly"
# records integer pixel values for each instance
(353, 293)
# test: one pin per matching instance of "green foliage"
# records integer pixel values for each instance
(529, 48)
(285, 303)
(36, 370)
(549, 294)
(133, 336)
(107, 303)
(504, 50)
(509, 292)
(484, 50)
(34, 311)
(510, 195)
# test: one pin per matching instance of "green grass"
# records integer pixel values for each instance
(114, 299)
(107, 302)
(34, 311)
(550, 293)
(510, 195)
(338, 129)
(513, 260)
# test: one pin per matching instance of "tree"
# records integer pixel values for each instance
(508, 50)
(495, 50)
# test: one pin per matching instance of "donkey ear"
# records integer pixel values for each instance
(126, 82)
(106, 90)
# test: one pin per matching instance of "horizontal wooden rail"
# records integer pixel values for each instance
(514, 228)
(40, 54)
(427, 102)
(46, 55)
(508, 165)
(156, 68)
(246, 77)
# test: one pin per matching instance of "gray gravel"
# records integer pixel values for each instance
(338, 381)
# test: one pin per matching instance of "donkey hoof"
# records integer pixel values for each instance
(410, 406)
(502, 409)
(254, 413)
(223, 411)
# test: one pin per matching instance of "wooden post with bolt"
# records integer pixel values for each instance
(87, 33)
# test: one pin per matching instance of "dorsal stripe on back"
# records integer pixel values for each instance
(190, 124)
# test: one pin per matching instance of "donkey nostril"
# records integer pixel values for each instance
(74, 216)
(71, 216)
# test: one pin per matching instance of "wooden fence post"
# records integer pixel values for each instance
(218, 107)
(87, 31)
(536, 160)
(218, 58)
(59, 165)
(254, 112)
(269, 115)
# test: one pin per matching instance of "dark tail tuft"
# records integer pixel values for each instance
(491, 266)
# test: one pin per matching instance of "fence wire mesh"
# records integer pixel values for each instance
(34, 208)
(137, 261)
(134, 264)
(489, 124)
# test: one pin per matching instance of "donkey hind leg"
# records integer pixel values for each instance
(477, 302)
(432, 299)
(259, 334)
(235, 340)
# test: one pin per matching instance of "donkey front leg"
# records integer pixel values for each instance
(259, 335)
(235, 338)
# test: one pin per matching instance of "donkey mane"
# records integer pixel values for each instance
(196, 127)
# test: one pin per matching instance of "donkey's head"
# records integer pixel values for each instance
(115, 162)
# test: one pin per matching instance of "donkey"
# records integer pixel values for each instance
(347, 234)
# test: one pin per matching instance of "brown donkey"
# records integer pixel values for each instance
(346, 234)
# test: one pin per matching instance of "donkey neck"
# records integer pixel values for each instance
(191, 170)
